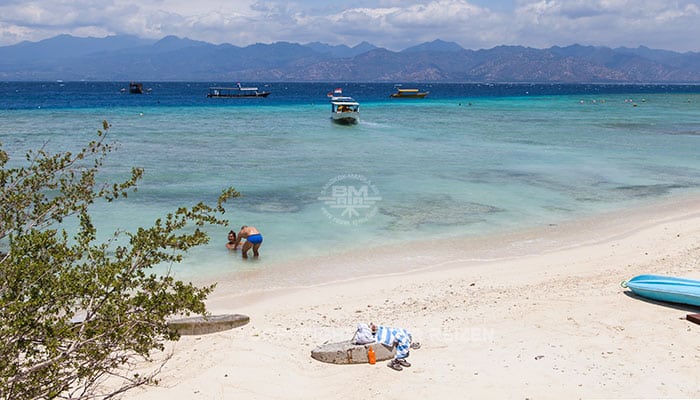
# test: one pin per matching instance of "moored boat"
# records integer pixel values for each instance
(665, 288)
(409, 93)
(135, 88)
(236, 92)
(344, 109)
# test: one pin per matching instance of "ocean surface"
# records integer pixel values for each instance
(469, 160)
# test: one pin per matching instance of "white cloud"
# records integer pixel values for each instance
(399, 27)
(611, 23)
(394, 24)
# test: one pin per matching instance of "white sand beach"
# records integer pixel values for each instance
(537, 314)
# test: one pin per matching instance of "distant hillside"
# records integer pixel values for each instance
(124, 58)
(435, 45)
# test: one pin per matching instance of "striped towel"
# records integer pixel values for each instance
(399, 336)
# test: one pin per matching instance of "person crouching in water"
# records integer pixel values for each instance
(401, 338)
(253, 239)
(231, 244)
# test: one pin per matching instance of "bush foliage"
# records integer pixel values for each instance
(74, 311)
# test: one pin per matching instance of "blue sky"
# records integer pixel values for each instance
(393, 24)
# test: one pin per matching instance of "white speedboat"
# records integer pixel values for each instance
(344, 109)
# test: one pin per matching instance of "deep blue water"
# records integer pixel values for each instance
(55, 95)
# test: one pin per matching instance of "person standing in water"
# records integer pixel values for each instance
(253, 239)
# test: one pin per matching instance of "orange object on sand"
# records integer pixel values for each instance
(371, 356)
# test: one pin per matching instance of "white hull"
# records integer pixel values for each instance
(346, 118)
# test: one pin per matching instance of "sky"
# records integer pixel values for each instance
(392, 24)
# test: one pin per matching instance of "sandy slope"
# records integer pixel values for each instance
(546, 318)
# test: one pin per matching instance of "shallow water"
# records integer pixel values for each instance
(468, 160)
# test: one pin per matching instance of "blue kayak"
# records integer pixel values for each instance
(665, 288)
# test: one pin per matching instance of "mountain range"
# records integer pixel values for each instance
(126, 58)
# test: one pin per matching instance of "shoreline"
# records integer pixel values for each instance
(436, 254)
(546, 319)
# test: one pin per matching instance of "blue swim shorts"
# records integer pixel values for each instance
(255, 239)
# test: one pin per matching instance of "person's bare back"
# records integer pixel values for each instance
(253, 239)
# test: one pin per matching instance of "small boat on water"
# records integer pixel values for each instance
(344, 109)
(136, 88)
(236, 92)
(408, 93)
(665, 288)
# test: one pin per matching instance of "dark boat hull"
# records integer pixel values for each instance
(135, 88)
(409, 96)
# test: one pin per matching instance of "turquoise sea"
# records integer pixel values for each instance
(467, 161)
